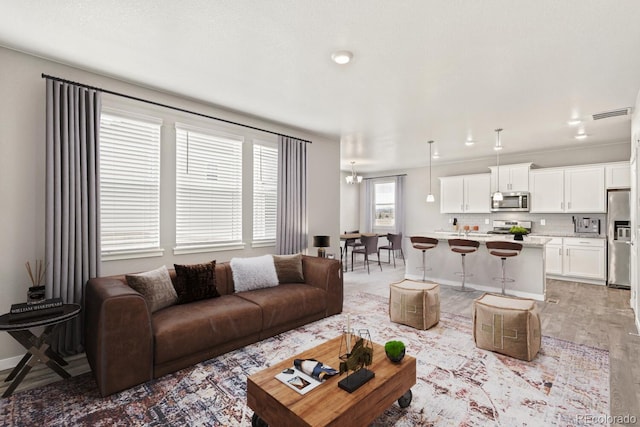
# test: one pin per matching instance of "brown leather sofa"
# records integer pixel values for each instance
(126, 345)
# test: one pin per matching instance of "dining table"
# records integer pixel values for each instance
(350, 237)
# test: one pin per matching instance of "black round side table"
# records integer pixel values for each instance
(38, 347)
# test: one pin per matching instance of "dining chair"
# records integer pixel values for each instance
(370, 246)
(395, 244)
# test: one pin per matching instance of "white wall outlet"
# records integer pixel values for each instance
(543, 222)
(486, 221)
(450, 220)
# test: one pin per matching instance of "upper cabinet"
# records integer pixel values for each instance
(573, 189)
(512, 177)
(547, 190)
(465, 194)
(584, 190)
(617, 175)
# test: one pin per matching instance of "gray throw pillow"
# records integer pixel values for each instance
(155, 286)
(289, 268)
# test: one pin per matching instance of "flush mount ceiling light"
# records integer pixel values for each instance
(497, 196)
(430, 197)
(353, 178)
(342, 57)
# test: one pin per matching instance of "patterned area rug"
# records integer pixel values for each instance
(457, 385)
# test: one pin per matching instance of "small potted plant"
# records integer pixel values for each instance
(394, 350)
(518, 232)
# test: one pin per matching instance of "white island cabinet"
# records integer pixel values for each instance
(528, 268)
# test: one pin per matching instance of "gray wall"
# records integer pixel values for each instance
(22, 187)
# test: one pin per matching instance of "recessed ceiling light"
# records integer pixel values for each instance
(469, 142)
(497, 147)
(436, 155)
(342, 57)
(581, 136)
(574, 122)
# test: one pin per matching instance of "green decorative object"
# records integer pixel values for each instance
(395, 350)
(518, 232)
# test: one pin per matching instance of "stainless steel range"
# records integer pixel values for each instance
(503, 227)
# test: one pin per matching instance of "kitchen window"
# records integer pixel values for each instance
(384, 214)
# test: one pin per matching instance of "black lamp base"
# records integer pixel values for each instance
(356, 380)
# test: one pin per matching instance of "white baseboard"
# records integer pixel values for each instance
(9, 362)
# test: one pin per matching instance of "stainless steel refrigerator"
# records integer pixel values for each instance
(619, 238)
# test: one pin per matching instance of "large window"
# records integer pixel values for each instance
(265, 192)
(208, 188)
(129, 184)
(384, 205)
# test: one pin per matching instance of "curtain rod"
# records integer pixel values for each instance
(171, 107)
(386, 176)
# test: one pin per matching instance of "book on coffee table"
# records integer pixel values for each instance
(298, 380)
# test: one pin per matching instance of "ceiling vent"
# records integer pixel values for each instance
(613, 113)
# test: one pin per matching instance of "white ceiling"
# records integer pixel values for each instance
(422, 69)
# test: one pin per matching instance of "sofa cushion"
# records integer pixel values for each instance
(186, 329)
(155, 286)
(287, 302)
(253, 273)
(289, 268)
(195, 282)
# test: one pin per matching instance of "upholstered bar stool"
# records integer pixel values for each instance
(464, 247)
(504, 250)
(423, 244)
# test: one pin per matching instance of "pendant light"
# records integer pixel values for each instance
(353, 178)
(430, 198)
(497, 196)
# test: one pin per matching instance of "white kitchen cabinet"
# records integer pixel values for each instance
(584, 189)
(584, 258)
(553, 254)
(512, 177)
(465, 194)
(617, 175)
(547, 190)
(570, 190)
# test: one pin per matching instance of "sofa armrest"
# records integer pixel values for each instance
(325, 274)
(118, 335)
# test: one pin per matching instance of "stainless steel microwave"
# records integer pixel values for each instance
(511, 202)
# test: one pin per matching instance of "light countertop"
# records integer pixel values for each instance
(528, 241)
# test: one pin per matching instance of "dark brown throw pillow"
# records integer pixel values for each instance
(196, 282)
(289, 268)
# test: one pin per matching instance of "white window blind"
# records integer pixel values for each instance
(265, 191)
(129, 183)
(208, 188)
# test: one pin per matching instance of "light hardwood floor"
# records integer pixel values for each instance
(586, 314)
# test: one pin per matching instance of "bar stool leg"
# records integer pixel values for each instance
(464, 277)
(424, 265)
(504, 278)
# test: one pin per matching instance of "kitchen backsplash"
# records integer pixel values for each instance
(554, 223)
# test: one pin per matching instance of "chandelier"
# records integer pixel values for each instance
(353, 178)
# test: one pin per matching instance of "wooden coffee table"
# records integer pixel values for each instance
(327, 405)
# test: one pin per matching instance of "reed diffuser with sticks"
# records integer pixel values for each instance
(36, 293)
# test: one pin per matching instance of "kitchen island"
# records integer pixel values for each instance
(528, 268)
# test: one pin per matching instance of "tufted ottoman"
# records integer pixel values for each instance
(415, 304)
(507, 325)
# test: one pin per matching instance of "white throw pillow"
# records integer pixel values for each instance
(253, 273)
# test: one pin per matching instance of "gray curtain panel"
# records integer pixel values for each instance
(72, 199)
(400, 204)
(292, 230)
(368, 203)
